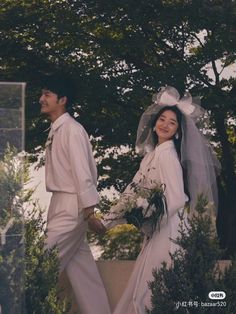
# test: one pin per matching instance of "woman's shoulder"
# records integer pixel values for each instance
(148, 156)
(167, 153)
(165, 150)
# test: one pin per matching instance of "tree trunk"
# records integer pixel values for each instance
(226, 220)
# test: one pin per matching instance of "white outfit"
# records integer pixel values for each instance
(71, 176)
(161, 165)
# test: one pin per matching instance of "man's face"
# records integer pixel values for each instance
(50, 103)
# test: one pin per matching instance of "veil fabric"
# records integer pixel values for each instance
(198, 159)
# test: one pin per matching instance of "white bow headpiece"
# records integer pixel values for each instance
(169, 96)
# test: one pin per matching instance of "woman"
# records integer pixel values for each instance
(171, 143)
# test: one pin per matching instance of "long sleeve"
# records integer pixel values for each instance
(170, 173)
(114, 216)
(83, 167)
(70, 166)
(161, 166)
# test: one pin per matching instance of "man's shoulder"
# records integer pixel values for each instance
(72, 125)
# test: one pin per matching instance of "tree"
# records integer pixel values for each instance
(175, 43)
(119, 53)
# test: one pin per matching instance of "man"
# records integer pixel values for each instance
(71, 176)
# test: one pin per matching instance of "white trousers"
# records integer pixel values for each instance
(67, 229)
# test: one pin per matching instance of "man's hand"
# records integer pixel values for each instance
(96, 225)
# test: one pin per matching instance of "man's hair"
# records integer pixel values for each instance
(62, 85)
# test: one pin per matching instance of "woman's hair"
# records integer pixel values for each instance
(177, 141)
(179, 115)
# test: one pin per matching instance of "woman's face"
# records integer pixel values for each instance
(166, 126)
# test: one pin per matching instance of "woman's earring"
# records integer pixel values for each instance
(176, 136)
(154, 129)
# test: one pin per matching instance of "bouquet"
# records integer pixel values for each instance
(144, 206)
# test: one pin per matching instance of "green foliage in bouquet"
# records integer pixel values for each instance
(147, 205)
(28, 275)
(194, 272)
(143, 206)
(122, 242)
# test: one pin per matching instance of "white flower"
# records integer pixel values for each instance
(127, 202)
(142, 202)
(149, 212)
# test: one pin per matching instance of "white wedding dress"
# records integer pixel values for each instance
(161, 165)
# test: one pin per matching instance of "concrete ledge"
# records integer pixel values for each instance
(115, 275)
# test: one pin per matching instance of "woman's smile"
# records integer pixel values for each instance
(166, 126)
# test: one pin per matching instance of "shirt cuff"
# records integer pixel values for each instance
(88, 198)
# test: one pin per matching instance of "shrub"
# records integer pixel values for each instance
(28, 274)
(184, 286)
